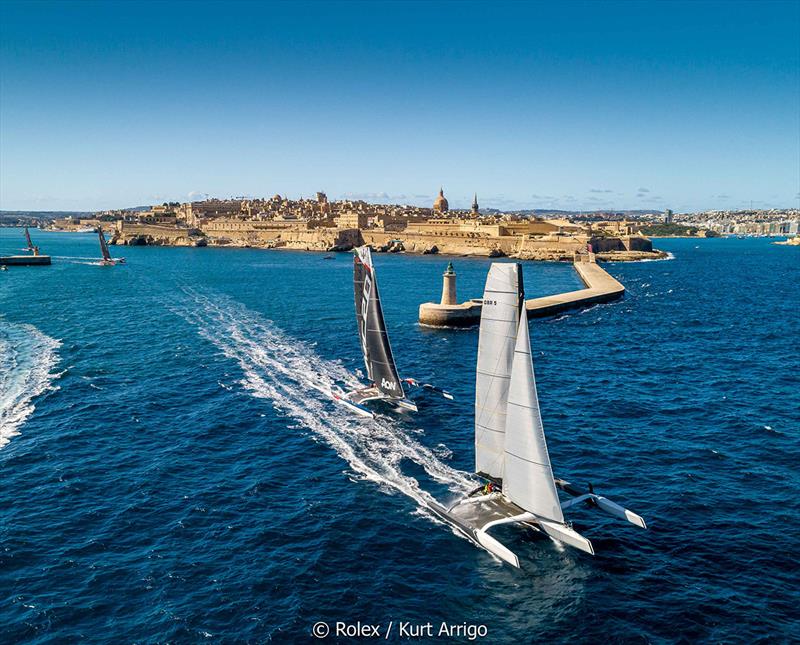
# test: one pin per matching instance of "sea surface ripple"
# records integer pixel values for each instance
(172, 472)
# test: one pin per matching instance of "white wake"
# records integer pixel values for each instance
(289, 373)
(27, 359)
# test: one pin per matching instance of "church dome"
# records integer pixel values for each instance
(440, 203)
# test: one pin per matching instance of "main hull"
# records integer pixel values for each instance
(474, 516)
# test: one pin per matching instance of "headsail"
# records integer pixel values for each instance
(502, 305)
(528, 480)
(28, 239)
(378, 358)
(103, 245)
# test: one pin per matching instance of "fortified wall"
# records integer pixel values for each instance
(239, 233)
(155, 235)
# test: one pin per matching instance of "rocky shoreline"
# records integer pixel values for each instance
(195, 238)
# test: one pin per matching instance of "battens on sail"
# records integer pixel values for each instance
(528, 480)
(28, 239)
(378, 358)
(103, 245)
(502, 305)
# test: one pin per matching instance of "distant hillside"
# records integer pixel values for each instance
(674, 230)
(13, 218)
(137, 209)
(44, 214)
(582, 215)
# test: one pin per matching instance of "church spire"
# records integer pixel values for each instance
(475, 204)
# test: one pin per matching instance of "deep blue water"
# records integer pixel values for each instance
(180, 479)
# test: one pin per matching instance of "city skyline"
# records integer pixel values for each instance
(689, 106)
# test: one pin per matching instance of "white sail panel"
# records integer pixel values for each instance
(502, 302)
(528, 480)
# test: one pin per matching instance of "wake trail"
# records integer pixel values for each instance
(290, 374)
(27, 358)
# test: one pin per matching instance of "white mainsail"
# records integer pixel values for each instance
(502, 305)
(528, 480)
(509, 437)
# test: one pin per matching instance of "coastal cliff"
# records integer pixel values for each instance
(269, 235)
(154, 235)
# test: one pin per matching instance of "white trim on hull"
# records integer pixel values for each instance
(475, 516)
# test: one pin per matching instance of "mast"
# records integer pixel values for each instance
(528, 480)
(103, 245)
(378, 358)
(503, 303)
(28, 239)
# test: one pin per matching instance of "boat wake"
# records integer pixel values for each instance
(669, 256)
(290, 374)
(27, 358)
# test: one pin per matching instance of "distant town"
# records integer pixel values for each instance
(321, 225)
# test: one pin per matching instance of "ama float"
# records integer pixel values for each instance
(510, 448)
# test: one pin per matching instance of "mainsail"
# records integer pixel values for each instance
(378, 358)
(103, 245)
(528, 480)
(28, 239)
(502, 305)
(509, 438)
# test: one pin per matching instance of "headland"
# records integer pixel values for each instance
(322, 225)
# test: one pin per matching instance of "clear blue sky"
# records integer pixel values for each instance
(558, 105)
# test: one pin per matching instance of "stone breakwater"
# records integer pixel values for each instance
(600, 287)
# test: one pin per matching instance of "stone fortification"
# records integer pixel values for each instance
(239, 234)
(155, 235)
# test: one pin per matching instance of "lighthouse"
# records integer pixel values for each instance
(449, 286)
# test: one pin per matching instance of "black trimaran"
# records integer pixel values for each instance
(385, 383)
(107, 259)
(30, 247)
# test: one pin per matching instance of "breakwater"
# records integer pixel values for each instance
(599, 287)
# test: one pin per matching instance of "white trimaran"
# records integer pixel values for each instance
(384, 382)
(510, 448)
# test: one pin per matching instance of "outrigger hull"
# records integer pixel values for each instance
(475, 516)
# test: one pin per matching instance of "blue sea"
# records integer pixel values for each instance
(169, 473)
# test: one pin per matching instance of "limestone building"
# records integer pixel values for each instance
(440, 204)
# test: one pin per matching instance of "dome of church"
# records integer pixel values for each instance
(440, 203)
